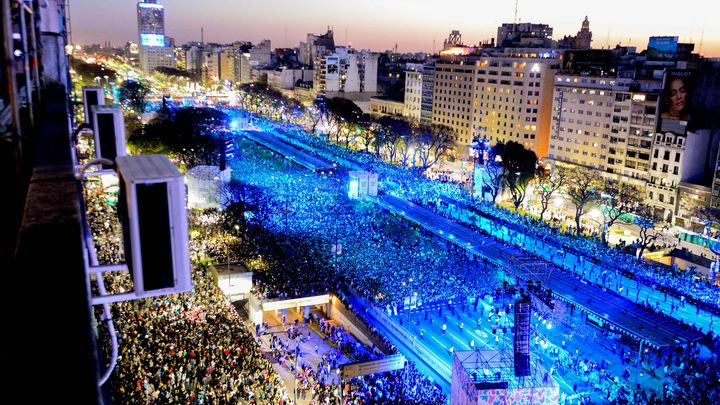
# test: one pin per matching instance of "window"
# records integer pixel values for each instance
(677, 156)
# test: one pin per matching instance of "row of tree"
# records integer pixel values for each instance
(513, 168)
(340, 121)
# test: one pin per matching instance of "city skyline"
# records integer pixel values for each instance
(379, 26)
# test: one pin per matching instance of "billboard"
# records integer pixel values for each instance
(662, 47)
(152, 40)
(675, 108)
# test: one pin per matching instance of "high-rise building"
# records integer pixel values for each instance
(155, 50)
(506, 96)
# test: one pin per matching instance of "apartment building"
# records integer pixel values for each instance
(675, 159)
(413, 95)
(601, 123)
(505, 96)
(346, 71)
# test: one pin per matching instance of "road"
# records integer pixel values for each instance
(613, 308)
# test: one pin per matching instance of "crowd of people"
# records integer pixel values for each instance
(426, 192)
(182, 348)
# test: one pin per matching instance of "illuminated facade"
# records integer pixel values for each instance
(505, 97)
(154, 51)
(600, 123)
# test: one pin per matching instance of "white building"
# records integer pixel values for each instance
(346, 72)
(413, 94)
(285, 79)
(675, 159)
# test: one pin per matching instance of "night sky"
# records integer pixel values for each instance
(412, 24)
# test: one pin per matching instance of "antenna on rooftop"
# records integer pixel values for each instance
(702, 38)
(516, 12)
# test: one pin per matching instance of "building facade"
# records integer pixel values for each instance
(384, 106)
(155, 51)
(600, 123)
(413, 95)
(428, 86)
(346, 72)
(505, 97)
(676, 159)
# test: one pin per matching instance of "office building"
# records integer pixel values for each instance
(155, 50)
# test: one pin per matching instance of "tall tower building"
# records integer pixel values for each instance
(584, 36)
(154, 49)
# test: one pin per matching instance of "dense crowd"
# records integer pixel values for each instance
(595, 375)
(189, 348)
(416, 188)
(357, 246)
(184, 348)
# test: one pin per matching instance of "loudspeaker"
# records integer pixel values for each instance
(152, 211)
(92, 96)
(109, 126)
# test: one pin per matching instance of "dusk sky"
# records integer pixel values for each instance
(412, 24)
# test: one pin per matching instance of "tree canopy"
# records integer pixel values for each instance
(191, 135)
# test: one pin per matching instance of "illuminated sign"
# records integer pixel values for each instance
(675, 104)
(456, 51)
(152, 39)
(150, 5)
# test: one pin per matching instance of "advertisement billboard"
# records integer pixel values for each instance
(675, 103)
(662, 47)
(152, 39)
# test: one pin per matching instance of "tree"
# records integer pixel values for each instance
(651, 227)
(132, 94)
(584, 190)
(191, 135)
(391, 132)
(493, 178)
(550, 182)
(406, 148)
(623, 199)
(433, 141)
(519, 167)
(345, 114)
